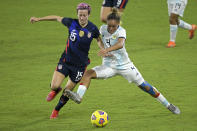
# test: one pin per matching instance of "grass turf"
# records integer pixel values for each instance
(29, 54)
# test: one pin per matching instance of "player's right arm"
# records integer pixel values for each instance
(46, 18)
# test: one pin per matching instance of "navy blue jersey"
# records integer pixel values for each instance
(115, 3)
(78, 42)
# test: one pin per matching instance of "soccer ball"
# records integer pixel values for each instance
(99, 118)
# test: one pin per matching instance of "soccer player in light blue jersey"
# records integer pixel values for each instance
(175, 9)
(117, 62)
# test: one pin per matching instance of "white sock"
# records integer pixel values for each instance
(163, 100)
(81, 90)
(155, 88)
(173, 30)
(184, 25)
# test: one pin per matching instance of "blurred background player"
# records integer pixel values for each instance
(175, 9)
(113, 37)
(107, 6)
(74, 59)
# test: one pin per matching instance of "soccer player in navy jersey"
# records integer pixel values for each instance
(74, 59)
(108, 5)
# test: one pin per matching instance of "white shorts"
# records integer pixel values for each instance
(177, 7)
(131, 74)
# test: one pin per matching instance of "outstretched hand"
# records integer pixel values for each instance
(34, 19)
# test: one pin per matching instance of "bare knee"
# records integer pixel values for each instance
(70, 85)
(173, 19)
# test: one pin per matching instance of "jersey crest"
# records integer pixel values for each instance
(114, 37)
(81, 33)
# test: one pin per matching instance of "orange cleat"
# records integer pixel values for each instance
(54, 114)
(191, 32)
(52, 94)
(171, 44)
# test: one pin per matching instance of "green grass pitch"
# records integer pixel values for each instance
(29, 54)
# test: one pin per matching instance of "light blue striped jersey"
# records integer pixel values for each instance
(120, 59)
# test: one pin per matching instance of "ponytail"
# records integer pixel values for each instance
(114, 15)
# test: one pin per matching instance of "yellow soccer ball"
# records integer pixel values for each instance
(99, 118)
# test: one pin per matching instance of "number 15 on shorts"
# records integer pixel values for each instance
(79, 76)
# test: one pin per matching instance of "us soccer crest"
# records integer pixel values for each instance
(114, 37)
(81, 33)
(89, 34)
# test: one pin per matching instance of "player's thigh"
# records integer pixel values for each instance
(132, 75)
(104, 72)
(89, 74)
(70, 84)
(57, 79)
(177, 7)
(105, 11)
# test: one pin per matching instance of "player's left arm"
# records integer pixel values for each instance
(116, 46)
(46, 18)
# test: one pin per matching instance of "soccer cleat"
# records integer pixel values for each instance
(191, 32)
(54, 114)
(171, 44)
(52, 94)
(174, 109)
(73, 96)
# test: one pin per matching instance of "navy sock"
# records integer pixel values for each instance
(57, 90)
(63, 100)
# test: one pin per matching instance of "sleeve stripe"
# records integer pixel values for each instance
(122, 37)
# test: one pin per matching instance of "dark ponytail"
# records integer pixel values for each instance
(114, 15)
